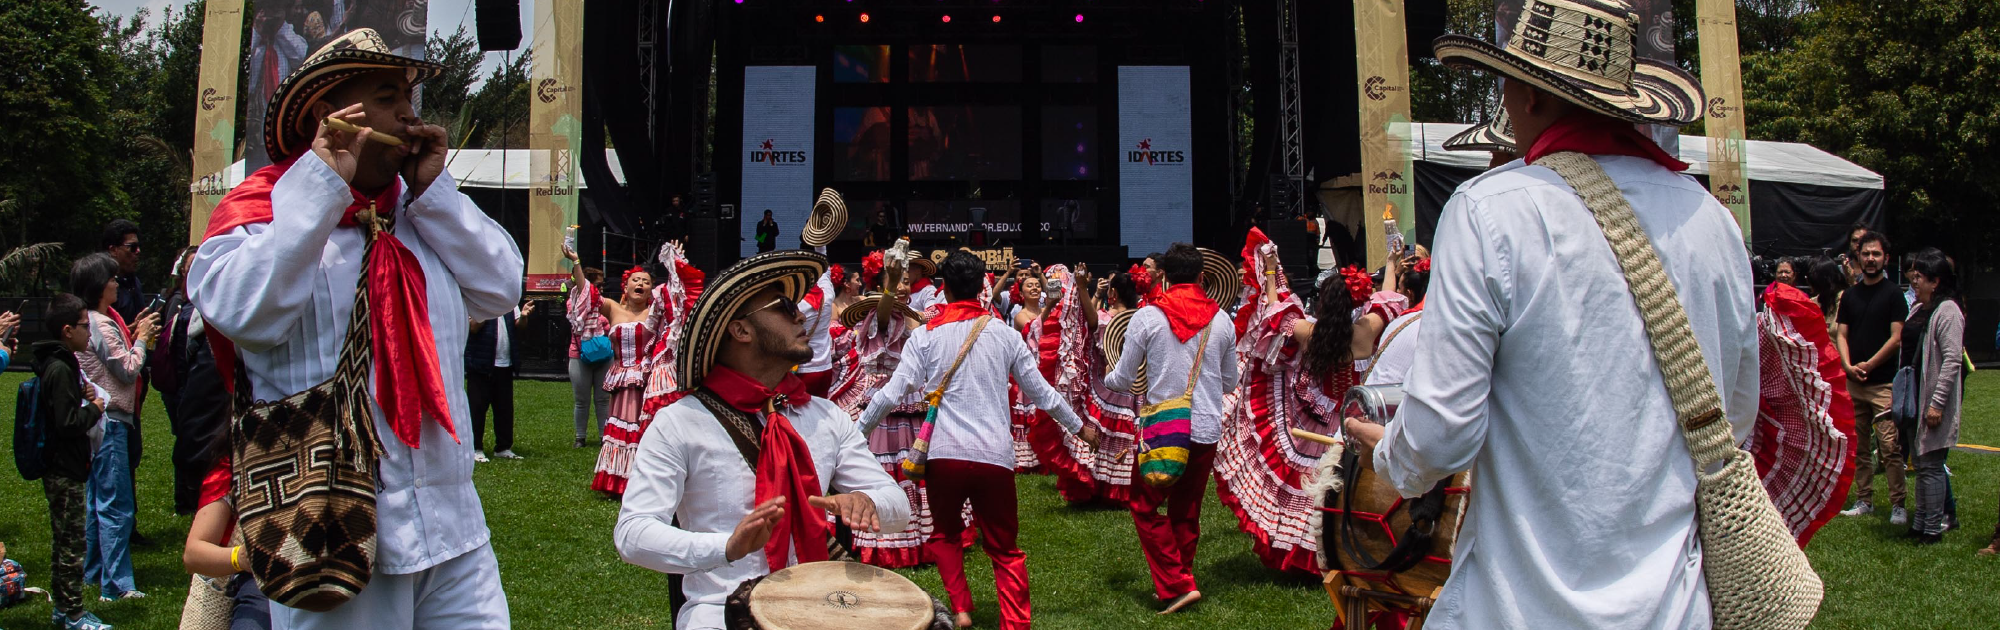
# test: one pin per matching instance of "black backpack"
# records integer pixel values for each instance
(30, 433)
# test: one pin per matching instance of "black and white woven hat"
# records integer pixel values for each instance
(1495, 135)
(288, 125)
(1584, 52)
(792, 271)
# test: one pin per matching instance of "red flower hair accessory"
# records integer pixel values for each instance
(628, 274)
(871, 269)
(1423, 265)
(837, 273)
(1141, 280)
(1359, 285)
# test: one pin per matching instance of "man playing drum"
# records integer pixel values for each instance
(738, 489)
(1535, 369)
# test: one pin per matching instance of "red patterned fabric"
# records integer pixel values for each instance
(1187, 308)
(408, 383)
(1591, 134)
(960, 311)
(784, 464)
(1805, 420)
(1261, 471)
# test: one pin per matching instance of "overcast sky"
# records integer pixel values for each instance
(445, 17)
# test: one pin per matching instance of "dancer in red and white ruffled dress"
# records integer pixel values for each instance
(1109, 467)
(678, 291)
(636, 317)
(878, 350)
(1061, 338)
(1294, 371)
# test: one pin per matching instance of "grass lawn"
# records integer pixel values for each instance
(553, 539)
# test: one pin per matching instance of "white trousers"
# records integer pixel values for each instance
(462, 593)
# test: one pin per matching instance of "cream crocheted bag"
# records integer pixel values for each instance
(1758, 577)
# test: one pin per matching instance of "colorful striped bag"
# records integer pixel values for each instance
(1164, 429)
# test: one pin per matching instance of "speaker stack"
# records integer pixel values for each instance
(499, 24)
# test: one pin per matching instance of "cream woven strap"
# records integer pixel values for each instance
(1757, 575)
(963, 349)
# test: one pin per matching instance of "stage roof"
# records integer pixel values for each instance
(1767, 161)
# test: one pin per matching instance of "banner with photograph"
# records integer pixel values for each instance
(1155, 158)
(215, 110)
(555, 138)
(284, 32)
(777, 152)
(1383, 64)
(1722, 82)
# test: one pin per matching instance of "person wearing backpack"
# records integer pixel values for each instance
(65, 413)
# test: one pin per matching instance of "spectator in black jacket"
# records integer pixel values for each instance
(491, 352)
(121, 241)
(66, 453)
(182, 369)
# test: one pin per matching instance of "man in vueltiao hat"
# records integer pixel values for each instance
(277, 276)
(1584, 514)
(739, 488)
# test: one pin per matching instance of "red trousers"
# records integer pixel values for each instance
(1170, 540)
(950, 483)
(818, 383)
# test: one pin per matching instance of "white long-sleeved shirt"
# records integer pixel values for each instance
(695, 473)
(1392, 363)
(1534, 371)
(283, 291)
(1150, 341)
(973, 421)
(819, 327)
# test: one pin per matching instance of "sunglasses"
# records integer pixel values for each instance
(785, 307)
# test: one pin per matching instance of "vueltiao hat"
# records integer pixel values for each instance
(288, 127)
(1584, 52)
(793, 271)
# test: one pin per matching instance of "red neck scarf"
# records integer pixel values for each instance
(784, 464)
(1187, 308)
(962, 310)
(919, 286)
(1591, 134)
(408, 384)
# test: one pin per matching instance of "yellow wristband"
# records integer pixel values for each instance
(235, 559)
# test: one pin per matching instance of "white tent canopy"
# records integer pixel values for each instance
(1767, 161)
(477, 168)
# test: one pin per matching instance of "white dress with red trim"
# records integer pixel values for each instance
(1805, 420)
(1116, 415)
(1261, 471)
(673, 299)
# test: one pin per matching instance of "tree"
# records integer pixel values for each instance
(1442, 94)
(446, 95)
(1911, 93)
(500, 108)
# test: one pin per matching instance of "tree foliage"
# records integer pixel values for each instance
(1911, 93)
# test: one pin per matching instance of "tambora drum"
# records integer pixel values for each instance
(831, 596)
(1373, 539)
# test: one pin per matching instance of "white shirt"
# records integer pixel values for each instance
(1150, 341)
(819, 324)
(973, 421)
(283, 290)
(1535, 372)
(503, 346)
(1392, 364)
(925, 297)
(694, 473)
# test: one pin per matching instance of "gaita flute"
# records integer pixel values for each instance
(377, 136)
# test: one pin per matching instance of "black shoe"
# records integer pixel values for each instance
(577, 444)
(1929, 539)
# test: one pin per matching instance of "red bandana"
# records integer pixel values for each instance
(1187, 308)
(1598, 135)
(919, 286)
(407, 380)
(962, 310)
(784, 464)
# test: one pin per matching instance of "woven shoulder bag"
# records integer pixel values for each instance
(1757, 575)
(1166, 428)
(919, 455)
(305, 476)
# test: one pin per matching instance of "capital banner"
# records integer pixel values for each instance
(215, 110)
(1722, 83)
(1382, 61)
(555, 138)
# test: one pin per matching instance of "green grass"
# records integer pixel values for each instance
(553, 539)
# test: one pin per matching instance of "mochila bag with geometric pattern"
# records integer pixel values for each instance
(1757, 575)
(304, 470)
(1166, 429)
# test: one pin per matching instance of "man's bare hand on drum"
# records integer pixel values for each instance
(755, 529)
(853, 508)
(1362, 434)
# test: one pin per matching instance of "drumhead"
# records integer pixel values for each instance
(839, 596)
